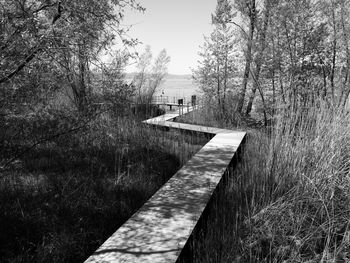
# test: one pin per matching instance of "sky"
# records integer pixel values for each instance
(176, 25)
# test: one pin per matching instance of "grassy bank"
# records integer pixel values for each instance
(288, 200)
(64, 197)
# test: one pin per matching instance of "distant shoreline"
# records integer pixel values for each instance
(174, 86)
(169, 76)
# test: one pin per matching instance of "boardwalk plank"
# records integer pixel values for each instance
(160, 229)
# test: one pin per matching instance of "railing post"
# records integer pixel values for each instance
(180, 102)
(193, 100)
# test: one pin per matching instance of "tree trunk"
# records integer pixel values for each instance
(225, 80)
(262, 99)
(344, 92)
(218, 83)
(273, 93)
(324, 93)
(334, 52)
(249, 55)
(78, 83)
(259, 58)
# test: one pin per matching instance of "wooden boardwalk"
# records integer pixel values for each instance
(160, 229)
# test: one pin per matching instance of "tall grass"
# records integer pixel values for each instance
(286, 200)
(63, 198)
(212, 115)
(289, 196)
(302, 211)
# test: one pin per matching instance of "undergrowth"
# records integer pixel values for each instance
(66, 196)
(288, 199)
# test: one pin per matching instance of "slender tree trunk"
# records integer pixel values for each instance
(289, 45)
(346, 97)
(324, 93)
(254, 88)
(264, 105)
(262, 99)
(282, 89)
(259, 58)
(278, 57)
(334, 52)
(273, 93)
(78, 80)
(218, 84)
(249, 55)
(225, 80)
(345, 89)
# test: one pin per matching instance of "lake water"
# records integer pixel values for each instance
(177, 86)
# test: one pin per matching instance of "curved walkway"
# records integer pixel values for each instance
(160, 229)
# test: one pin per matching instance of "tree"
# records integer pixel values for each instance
(68, 36)
(115, 92)
(143, 67)
(149, 78)
(295, 52)
(345, 89)
(159, 72)
(261, 46)
(247, 9)
(217, 67)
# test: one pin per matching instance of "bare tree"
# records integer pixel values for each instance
(149, 77)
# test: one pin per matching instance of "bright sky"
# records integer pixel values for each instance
(176, 25)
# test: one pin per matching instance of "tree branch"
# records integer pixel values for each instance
(36, 50)
(43, 7)
(2, 168)
(29, 58)
(239, 26)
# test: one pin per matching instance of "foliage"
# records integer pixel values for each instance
(291, 191)
(148, 78)
(111, 92)
(64, 198)
(292, 49)
(217, 71)
(57, 41)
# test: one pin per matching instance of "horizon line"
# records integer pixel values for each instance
(174, 74)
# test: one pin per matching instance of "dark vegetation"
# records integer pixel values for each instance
(64, 197)
(76, 162)
(75, 159)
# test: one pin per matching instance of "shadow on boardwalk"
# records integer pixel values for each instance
(160, 229)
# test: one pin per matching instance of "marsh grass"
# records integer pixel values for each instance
(288, 199)
(210, 114)
(62, 199)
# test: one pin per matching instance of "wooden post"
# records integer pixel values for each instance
(180, 103)
(193, 100)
